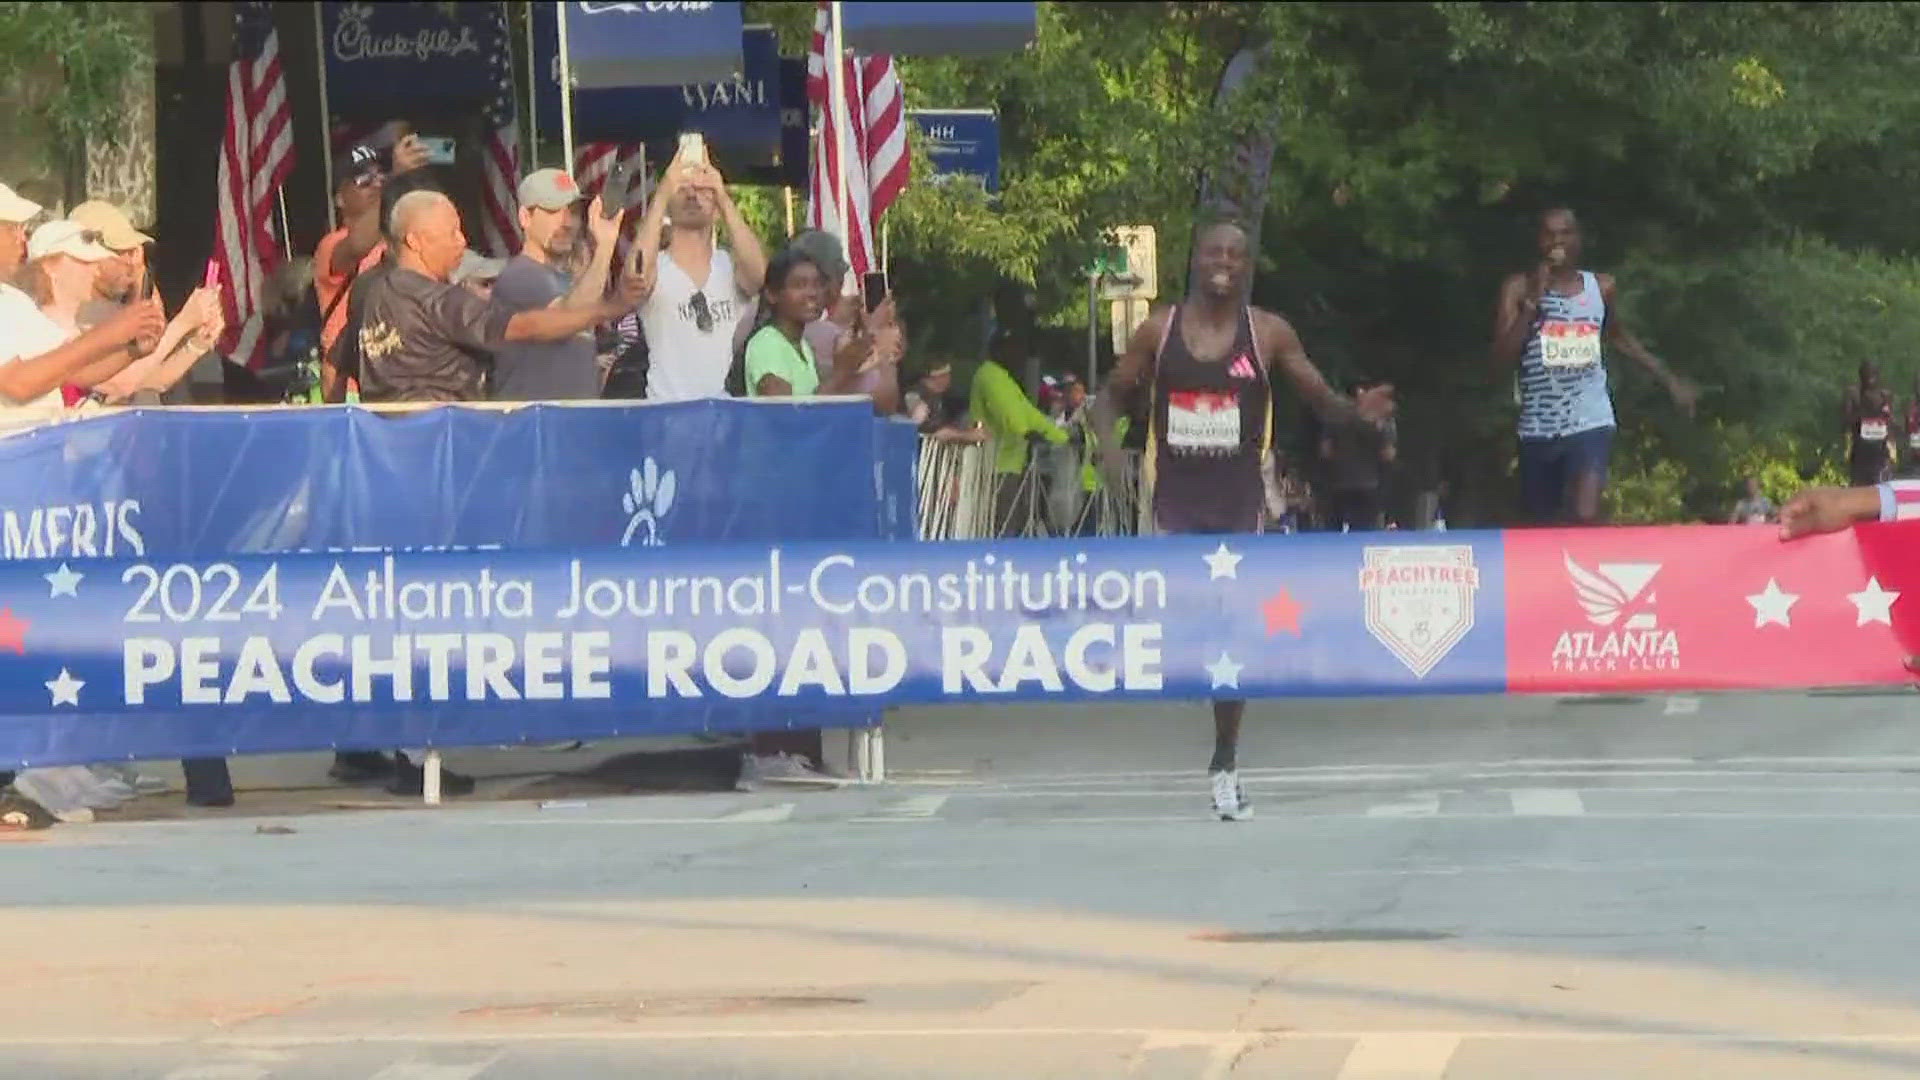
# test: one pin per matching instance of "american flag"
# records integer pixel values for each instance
(500, 151)
(256, 153)
(594, 161)
(876, 113)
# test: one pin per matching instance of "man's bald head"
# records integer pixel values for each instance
(426, 232)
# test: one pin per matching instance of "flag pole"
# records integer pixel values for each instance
(533, 92)
(566, 92)
(842, 121)
(326, 118)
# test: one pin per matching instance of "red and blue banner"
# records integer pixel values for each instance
(145, 657)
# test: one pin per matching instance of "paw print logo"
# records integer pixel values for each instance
(647, 502)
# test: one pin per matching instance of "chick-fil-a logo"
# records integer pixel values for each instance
(354, 39)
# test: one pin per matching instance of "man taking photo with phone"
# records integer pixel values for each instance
(696, 290)
(538, 277)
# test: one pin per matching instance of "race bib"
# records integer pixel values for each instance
(1873, 431)
(1202, 420)
(1569, 344)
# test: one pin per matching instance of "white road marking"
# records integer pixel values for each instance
(1546, 802)
(1424, 806)
(760, 815)
(218, 1070)
(1399, 1057)
(917, 808)
(420, 1070)
(1682, 706)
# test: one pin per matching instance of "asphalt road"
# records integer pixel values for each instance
(1458, 889)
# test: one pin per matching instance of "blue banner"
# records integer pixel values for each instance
(404, 59)
(962, 142)
(618, 43)
(156, 657)
(932, 28)
(739, 114)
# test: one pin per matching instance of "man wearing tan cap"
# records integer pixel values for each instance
(538, 278)
(15, 212)
(37, 353)
(121, 280)
(124, 276)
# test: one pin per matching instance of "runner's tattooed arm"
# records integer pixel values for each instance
(1617, 335)
(1279, 342)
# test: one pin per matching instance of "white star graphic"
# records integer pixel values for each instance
(65, 581)
(1222, 564)
(1226, 673)
(65, 689)
(1873, 604)
(1771, 605)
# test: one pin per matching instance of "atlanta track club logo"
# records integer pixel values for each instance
(1419, 601)
(1618, 599)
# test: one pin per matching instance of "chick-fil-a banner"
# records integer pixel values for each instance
(103, 659)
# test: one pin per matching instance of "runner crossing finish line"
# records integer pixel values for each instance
(1204, 365)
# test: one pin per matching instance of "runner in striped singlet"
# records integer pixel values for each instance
(1207, 363)
(1551, 321)
(1869, 419)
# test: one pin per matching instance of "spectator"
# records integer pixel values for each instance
(931, 410)
(359, 179)
(842, 314)
(39, 354)
(15, 212)
(1756, 508)
(477, 273)
(696, 291)
(998, 403)
(566, 370)
(779, 360)
(1356, 454)
(423, 338)
(119, 281)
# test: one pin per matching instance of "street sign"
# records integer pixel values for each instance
(962, 142)
(1127, 317)
(1139, 247)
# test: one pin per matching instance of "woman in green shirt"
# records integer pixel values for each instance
(779, 362)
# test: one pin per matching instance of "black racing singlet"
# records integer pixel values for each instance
(1212, 424)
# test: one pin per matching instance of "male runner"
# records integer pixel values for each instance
(1204, 363)
(1868, 412)
(1550, 321)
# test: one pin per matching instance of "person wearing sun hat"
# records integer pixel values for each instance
(122, 278)
(15, 212)
(38, 353)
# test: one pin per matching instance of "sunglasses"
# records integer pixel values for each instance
(92, 236)
(702, 314)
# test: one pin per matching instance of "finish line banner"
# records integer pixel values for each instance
(105, 659)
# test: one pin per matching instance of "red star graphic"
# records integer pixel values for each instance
(13, 632)
(1283, 613)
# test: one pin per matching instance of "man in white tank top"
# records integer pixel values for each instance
(698, 290)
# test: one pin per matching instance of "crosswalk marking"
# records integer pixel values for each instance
(1411, 1056)
(1424, 806)
(760, 815)
(1546, 802)
(218, 1070)
(421, 1070)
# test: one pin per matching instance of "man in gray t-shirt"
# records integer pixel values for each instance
(558, 370)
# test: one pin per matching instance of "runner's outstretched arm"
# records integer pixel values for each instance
(1831, 509)
(1278, 340)
(1684, 393)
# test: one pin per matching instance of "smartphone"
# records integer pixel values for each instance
(212, 278)
(873, 286)
(613, 197)
(439, 149)
(693, 148)
(146, 272)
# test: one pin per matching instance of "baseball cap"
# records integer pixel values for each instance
(16, 208)
(65, 238)
(357, 162)
(104, 218)
(477, 267)
(825, 251)
(549, 189)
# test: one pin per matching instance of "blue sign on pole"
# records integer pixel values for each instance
(389, 59)
(962, 142)
(614, 43)
(938, 29)
(740, 115)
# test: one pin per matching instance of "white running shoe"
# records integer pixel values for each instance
(784, 769)
(1228, 800)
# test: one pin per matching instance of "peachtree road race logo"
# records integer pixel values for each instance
(1618, 598)
(1419, 601)
(648, 500)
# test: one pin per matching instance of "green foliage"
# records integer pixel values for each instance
(70, 62)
